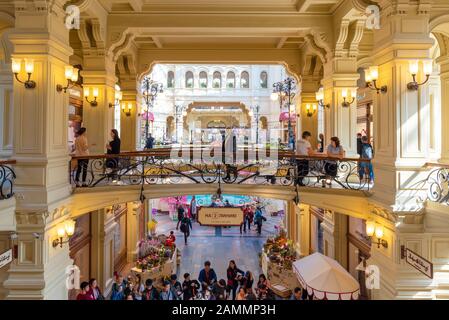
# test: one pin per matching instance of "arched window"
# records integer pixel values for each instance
(170, 79)
(264, 79)
(230, 80)
(203, 79)
(217, 80)
(189, 79)
(244, 80)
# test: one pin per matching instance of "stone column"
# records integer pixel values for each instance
(40, 148)
(335, 240)
(132, 222)
(309, 123)
(444, 74)
(340, 74)
(6, 111)
(128, 124)
(99, 72)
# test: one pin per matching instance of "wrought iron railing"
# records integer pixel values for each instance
(7, 177)
(437, 183)
(164, 166)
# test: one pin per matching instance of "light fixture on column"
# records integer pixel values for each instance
(93, 103)
(64, 230)
(118, 96)
(127, 108)
(373, 229)
(414, 69)
(71, 75)
(310, 110)
(29, 68)
(371, 77)
(344, 93)
(320, 98)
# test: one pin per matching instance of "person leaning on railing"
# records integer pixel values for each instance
(304, 148)
(366, 153)
(81, 149)
(334, 150)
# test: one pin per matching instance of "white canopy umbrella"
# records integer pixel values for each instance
(325, 278)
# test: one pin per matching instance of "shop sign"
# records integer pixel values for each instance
(220, 217)
(5, 258)
(419, 263)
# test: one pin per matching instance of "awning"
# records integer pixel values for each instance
(150, 116)
(284, 117)
(325, 279)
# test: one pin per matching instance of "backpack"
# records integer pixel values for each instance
(183, 227)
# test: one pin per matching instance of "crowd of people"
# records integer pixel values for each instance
(333, 150)
(238, 285)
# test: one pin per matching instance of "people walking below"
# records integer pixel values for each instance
(367, 153)
(180, 215)
(246, 219)
(334, 150)
(232, 274)
(81, 149)
(149, 143)
(259, 219)
(359, 144)
(193, 209)
(95, 290)
(207, 275)
(168, 293)
(186, 226)
(304, 149)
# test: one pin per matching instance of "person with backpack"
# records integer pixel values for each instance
(185, 227)
(259, 219)
(181, 211)
(367, 153)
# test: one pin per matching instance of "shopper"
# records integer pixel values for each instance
(128, 294)
(81, 149)
(242, 294)
(334, 150)
(113, 147)
(186, 225)
(139, 287)
(265, 293)
(176, 286)
(168, 293)
(259, 219)
(262, 280)
(189, 288)
(297, 294)
(232, 274)
(193, 209)
(207, 275)
(95, 290)
(219, 290)
(249, 280)
(359, 144)
(180, 211)
(367, 153)
(304, 150)
(118, 288)
(149, 144)
(85, 294)
(150, 292)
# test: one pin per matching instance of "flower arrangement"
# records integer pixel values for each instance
(280, 250)
(153, 253)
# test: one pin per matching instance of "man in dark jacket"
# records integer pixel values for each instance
(207, 275)
(189, 287)
(150, 292)
(149, 144)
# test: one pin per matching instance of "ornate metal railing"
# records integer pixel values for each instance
(165, 166)
(437, 183)
(7, 177)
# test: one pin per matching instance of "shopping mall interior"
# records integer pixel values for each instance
(304, 140)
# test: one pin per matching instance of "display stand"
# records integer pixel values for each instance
(160, 272)
(283, 281)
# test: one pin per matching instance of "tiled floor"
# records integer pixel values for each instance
(209, 243)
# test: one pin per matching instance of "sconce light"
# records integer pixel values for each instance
(344, 94)
(126, 108)
(71, 74)
(414, 69)
(310, 110)
(29, 68)
(93, 103)
(371, 77)
(118, 96)
(373, 229)
(66, 229)
(320, 98)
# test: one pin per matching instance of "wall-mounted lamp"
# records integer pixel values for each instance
(126, 108)
(71, 74)
(118, 96)
(320, 98)
(371, 77)
(93, 103)
(64, 230)
(414, 69)
(29, 68)
(310, 110)
(344, 93)
(373, 229)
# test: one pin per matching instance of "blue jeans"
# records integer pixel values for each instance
(363, 167)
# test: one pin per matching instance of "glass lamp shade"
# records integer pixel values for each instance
(274, 96)
(374, 72)
(68, 72)
(61, 231)
(314, 107)
(368, 77)
(353, 93)
(307, 107)
(414, 67)
(370, 227)
(95, 92)
(86, 92)
(74, 77)
(16, 65)
(69, 227)
(29, 65)
(428, 67)
(379, 232)
(344, 93)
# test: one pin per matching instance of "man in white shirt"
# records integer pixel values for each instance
(304, 148)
